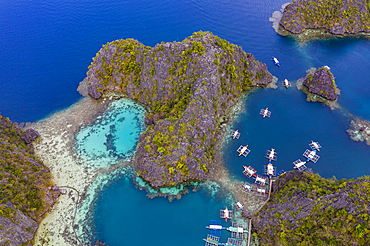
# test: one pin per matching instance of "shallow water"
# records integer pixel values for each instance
(113, 136)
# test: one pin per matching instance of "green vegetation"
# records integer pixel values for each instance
(321, 221)
(166, 78)
(352, 15)
(22, 180)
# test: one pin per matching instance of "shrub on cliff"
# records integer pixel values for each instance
(23, 177)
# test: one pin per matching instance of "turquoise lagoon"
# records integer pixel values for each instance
(113, 136)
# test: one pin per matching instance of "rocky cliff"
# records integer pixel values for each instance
(322, 83)
(306, 209)
(187, 87)
(334, 16)
(24, 181)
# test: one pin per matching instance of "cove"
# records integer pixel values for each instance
(294, 122)
(125, 216)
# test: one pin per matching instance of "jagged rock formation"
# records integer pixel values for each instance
(307, 209)
(24, 181)
(17, 231)
(322, 83)
(187, 87)
(337, 17)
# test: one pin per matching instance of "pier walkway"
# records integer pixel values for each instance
(250, 219)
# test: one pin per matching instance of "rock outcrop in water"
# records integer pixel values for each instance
(24, 193)
(322, 83)
(188, 87)
(336, 17)
(306, 209)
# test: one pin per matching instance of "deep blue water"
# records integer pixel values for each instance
(136, 220)
(48, 45)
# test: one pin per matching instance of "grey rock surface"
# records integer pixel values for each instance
(16, 232)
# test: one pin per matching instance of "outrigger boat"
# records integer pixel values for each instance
(265, 112)
(212, 240)
(269, 170)
(261, 180)
(261, 190)
(276, 61)
(243, 150)
(300, 165)
(235, 134)
(281, 173)
(226, 214)
(315, 145)
(215, 227)
(237, 231)
(271, 155)
(311, 155)
(249, 171)
(286, 83)
(239, 205)
(247, 187)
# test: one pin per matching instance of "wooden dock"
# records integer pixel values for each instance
(250, 219)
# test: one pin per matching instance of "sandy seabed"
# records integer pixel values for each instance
(56, 150)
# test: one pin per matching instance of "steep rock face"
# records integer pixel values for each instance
(336, 16)
(305, 208)
(322, 83)
(18, 231)
(24, 181)
(187, 86)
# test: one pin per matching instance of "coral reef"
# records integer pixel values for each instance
(360, 130)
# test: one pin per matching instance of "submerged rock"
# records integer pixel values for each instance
(187, 86)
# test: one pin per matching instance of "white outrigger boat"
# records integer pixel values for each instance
(249, 171)
(271, 155)
(235, 134)
(276, 61)
(260, 180)
(300, 165)
(265, 112)
(239, 205)
(226, 214)
(286, 83)
(315, 145)
(311, 155)
(243, 150)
